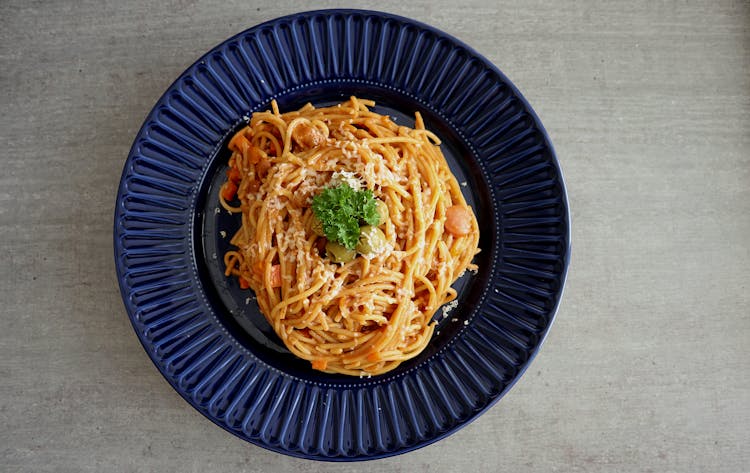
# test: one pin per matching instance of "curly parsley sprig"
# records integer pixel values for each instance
(341, 209)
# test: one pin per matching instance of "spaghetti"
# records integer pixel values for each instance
(367, 315)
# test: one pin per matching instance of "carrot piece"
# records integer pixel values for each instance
(229, 190)
(276, 275)
(373, 356)
(262, 167)
(253, 154)
(253, 186)
(234, 175)
(238, 142)
(319, 364)
(244, 283)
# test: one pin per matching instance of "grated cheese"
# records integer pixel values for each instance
(449, 307)
(274, 203)
(346, 177)
(401, 292)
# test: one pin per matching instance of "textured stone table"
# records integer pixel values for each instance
(647, 367)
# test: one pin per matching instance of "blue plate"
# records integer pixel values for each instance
(207, 336)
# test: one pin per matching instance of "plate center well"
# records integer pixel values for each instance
(237, 309)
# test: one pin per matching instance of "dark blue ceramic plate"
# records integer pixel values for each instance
(207, 336)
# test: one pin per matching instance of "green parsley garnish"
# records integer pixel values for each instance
(341, 209)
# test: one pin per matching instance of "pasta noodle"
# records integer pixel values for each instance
(365, 316)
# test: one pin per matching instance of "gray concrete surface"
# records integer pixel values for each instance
(647, 368)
